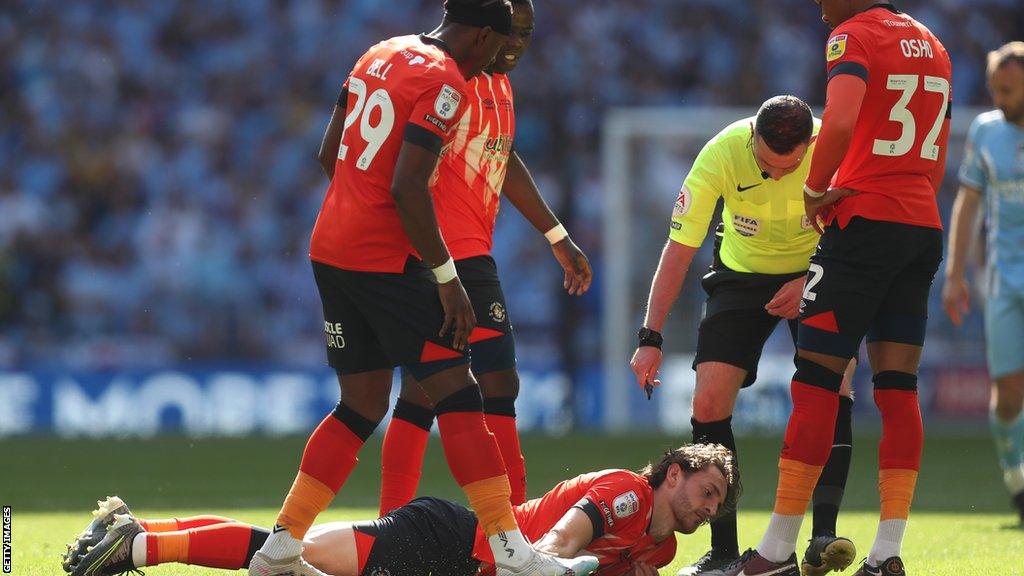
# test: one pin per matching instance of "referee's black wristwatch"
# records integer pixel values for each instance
(649, 337)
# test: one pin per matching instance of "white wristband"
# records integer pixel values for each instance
(812, 193)
(445, 273)
(556, 234)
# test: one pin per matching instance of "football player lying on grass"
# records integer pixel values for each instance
(626, 520)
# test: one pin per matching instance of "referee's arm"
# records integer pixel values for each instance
(668, 282)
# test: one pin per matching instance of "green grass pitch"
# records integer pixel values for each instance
(961, 524)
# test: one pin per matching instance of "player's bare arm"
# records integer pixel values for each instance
(956, 297)
(843, 101)
(521, 190)
(665, 287)
(416, 211)
(328, 155)
(570, 535)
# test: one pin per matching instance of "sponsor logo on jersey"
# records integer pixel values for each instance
(436, 122)
(836, 47)
(334, 335)
(683, 202)
(745, 225)
(607, 512)
(626, 505)
(497, 312)
(500, 145)
(447, 102)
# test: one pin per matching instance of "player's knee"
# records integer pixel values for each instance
(814, 374)
(467, 399)
(359, 422)
(494, 355)
(412, 393)
(1007, 400)
(711, 405)
(501, 384)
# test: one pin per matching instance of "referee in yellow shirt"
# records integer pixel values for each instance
(757, 166)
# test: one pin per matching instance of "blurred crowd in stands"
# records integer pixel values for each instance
(158, 173)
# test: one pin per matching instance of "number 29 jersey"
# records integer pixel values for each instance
(898, 136)
(404, 88)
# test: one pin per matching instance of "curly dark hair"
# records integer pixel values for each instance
(694, 458)
(784, 122)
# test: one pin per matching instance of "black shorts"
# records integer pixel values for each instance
(378, 320)
(871, 279)
(492, 347)
(426, 537)
(735, 325)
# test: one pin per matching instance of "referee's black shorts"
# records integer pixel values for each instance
(426, 537)
(735, 325)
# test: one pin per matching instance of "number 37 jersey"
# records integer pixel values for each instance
(404, 88)
(899, 136)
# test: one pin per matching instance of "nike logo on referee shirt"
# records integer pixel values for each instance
(745, 188)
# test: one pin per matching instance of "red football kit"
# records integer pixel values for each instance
(898, 138)
(404, 88)
(467, 184)
(623, 501)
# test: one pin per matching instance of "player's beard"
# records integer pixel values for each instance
(685, 504)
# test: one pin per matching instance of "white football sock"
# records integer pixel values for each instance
(888, 541)
(139, 550)
(511, 541)
(281, 544)
(779, 541)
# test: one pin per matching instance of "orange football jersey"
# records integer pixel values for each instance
(625, 501)
(408, 87)
(468, 181)
(897, 139)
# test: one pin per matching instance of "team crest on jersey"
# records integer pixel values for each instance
(626, 505)
(498, 312)
(447, 102)
(836, 47)
(683, 203)
(745, 225)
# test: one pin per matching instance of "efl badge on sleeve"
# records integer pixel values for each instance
(626, 505)
(447, 102)
(836, 47)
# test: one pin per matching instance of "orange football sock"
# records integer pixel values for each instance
(164, 547)
(405, 442)
(899, 452)
(475, 460)
(223, 545)
(507, 435)
(175, 524)
(796, 486)
(328, 459)
(896, 488)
